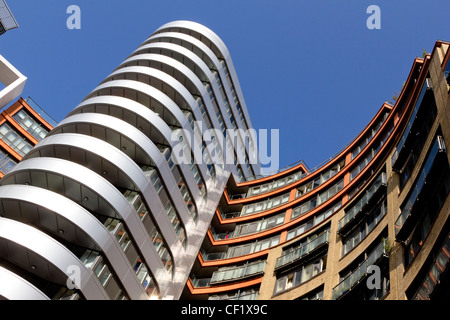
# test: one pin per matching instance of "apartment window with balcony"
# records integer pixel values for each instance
(192, 165)
(431, 210)
(296, 231)
(369, 156)
(252, 247)
(240, 174)
(96, 261)
(132, 254)
(316, 219)
(209, 165)
(244, 294)
(187, 197)
(233, 273)
(364, 204)
(432, 285)
(327, 194)
(233, 93)
(316, 201)
(352, 279)
(363, 229)
(170, 210)
(416, 131)
(259, 225)
(6, 162)
(322, 178)
(304, 208)
(279, 183)
(420, 138)
(368, 137)
(145, 278)
(316, 294)
(427, 194)
(303, 248)
(14, 139)
(155, 235)
(302, 274)
(30, 124)
(265, 205)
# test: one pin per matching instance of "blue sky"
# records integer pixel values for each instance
(311, 69)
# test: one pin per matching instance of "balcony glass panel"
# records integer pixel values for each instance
(265, 205)
(372, 132)
(408, 206)
(359, 205)
(6, 162)
(159, 243)
(41, 112)
(235, 273)
(411, 121)
(201, 282)
(435, 272)
(27, 122)
(14, 139)
(302, 251)
(350, 281)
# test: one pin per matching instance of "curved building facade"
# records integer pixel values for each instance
(115, 202)
(371, 223)
(142, 192)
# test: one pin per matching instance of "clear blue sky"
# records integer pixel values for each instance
(311, 69)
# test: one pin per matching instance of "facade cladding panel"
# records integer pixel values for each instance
(380, 204)
(128, 208)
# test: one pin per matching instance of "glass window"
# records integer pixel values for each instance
(301, 275)
(6, 162)
(14, 139)
(364, 229)
(30, 124)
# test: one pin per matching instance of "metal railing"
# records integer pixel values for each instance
(266, 174)
(41, 112)
(438, 147)
(302, 251)
(405, 136)
(200, 282)
(238, 196)
(359, 206)
(356, 276)
(229, 215)
(213, 255)
(434, 274)
(247, 270)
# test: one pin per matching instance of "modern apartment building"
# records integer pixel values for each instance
(115, 201)
(372, 223)
(22, 126)
(131, 197)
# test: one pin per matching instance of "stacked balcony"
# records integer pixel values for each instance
(411, 208)
(360, 273)
(356, 212)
